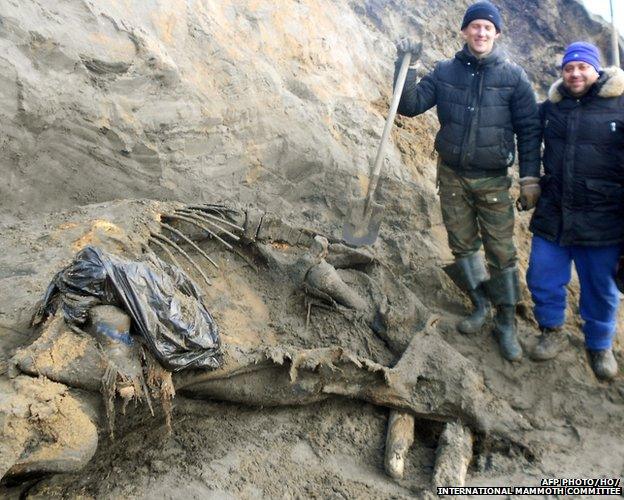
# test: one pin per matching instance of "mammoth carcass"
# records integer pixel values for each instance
(302, 317)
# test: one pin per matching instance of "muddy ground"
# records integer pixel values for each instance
(329, 449)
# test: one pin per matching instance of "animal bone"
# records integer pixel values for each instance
(155, 236)
(431, 380)
(190, 242)
(453, 455)
(210, 219)
(399, 439)
(201, 226)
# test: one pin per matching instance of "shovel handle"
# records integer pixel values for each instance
(396, 98)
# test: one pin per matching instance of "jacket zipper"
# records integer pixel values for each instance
(567, 189)
(475, 109)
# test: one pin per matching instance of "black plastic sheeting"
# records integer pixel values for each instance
(165, 305)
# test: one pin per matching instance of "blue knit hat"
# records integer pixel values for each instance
(582, 51)
(483, 10)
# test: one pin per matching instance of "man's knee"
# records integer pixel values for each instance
(501, 253)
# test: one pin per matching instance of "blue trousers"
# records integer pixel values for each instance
(550, 270)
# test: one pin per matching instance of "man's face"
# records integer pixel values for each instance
(578, 76)
(480, 35)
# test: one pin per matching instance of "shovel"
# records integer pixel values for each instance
(362, 226)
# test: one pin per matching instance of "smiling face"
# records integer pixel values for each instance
(480, 35)
(578, 77)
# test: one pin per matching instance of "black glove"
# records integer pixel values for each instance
(619, 274)
(409, 45)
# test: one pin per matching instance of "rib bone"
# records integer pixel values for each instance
(166, 240)
(194, 221)
(189, 241)
(210, 216)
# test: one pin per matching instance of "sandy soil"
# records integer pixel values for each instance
(236, 102)
(334, 448)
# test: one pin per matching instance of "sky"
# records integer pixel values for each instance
(601, 7)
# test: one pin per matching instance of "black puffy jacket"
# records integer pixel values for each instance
(582, 200)
(481, 104)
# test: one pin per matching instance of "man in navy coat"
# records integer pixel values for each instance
(580, 215)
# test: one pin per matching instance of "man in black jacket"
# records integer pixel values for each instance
(483, 101)
(580, 215)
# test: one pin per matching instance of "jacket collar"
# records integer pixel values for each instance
(465, 56)
(610, 84)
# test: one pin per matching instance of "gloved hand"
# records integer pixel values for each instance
(530, 192)
(619, 274)
(409, 45)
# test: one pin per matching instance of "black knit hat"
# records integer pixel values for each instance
(483, 10)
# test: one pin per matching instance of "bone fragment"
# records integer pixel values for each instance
(399, 438)
(195, 221)
(165, 249)
(190, 242)
(205, 215)
(325, 278)
(164, 239)
(212, 208)
(453, 455)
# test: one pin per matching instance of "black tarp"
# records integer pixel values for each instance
(166, 307)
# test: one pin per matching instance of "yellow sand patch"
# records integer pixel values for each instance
(69, 435)
(119, 47)
(60, 349)
(280, 246)
(364, 181)
(253, 174)
(100, 231)
(165, 26)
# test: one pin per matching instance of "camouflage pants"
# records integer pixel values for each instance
(477, 211)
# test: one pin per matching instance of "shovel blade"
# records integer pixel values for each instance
(362, 228)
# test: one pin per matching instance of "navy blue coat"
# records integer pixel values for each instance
(582, 201)
(481, 105)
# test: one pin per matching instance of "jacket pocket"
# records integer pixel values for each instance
(604, 195)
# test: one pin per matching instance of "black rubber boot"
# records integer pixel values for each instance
(603, 363)
(504, 291)
(550, 343)
(469, 274)
(505, 332)
(475, 321)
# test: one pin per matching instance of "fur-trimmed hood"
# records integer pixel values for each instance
(613, 85)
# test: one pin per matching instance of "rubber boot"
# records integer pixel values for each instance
(550, 343)
(469, 274)
(603, 363)
(475, 321)
(504, 291)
